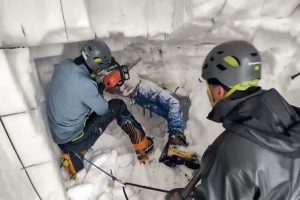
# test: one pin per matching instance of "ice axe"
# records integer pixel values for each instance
(294, 76)
(191, 185)
(130, 65)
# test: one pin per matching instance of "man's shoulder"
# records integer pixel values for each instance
(71, 68)
(66, 63)
(65, 68)
(239, 152)
(76, 75)
(229, 146)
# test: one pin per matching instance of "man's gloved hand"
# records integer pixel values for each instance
(101, 88)
(174, 194)
(175, 152)
(177, 137)
(180, 140)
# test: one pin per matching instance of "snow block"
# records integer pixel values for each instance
(207, 9)
(47, 181)
(31, 22)
(276, 8)
(159, 22)
(29, 137)
(24, 75)
(236, 9)
(113, 16)
(32, 144)
(12, 100)
(77, 20)
(14, 182)
(5, 144)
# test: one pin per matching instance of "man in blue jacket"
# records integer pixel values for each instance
(77, 112)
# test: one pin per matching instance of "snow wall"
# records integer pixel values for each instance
(172, 37)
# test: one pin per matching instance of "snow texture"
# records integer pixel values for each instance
(172, 37)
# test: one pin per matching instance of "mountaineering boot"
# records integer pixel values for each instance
(176, 153)
(71, 163)
(143, 149)
(142, 144)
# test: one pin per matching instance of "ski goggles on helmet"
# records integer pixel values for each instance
(116, 77)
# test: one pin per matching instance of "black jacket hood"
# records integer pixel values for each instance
(263, 117)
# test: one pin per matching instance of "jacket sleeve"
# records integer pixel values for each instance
(227, 186)
(224, 179)
(173, 107)
(297, 110)
(92, 98)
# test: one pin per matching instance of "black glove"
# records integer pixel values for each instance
(176, 137)
(173, 155)
(101, 88)
(174, 194)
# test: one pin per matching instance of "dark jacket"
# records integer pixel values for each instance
(258, 154)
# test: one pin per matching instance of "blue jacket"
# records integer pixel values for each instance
(72, 94)
(161, 102)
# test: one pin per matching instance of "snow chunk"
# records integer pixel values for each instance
(207, 9)
(124, 160)
(278, 8)
(81, 192)
(106, 196)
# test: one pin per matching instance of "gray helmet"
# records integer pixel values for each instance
(96, 54)
(232, 63)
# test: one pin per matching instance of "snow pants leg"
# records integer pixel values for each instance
(95, 125)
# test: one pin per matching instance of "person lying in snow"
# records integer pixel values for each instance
(258, 154)
(158, 100)
(77, 112)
